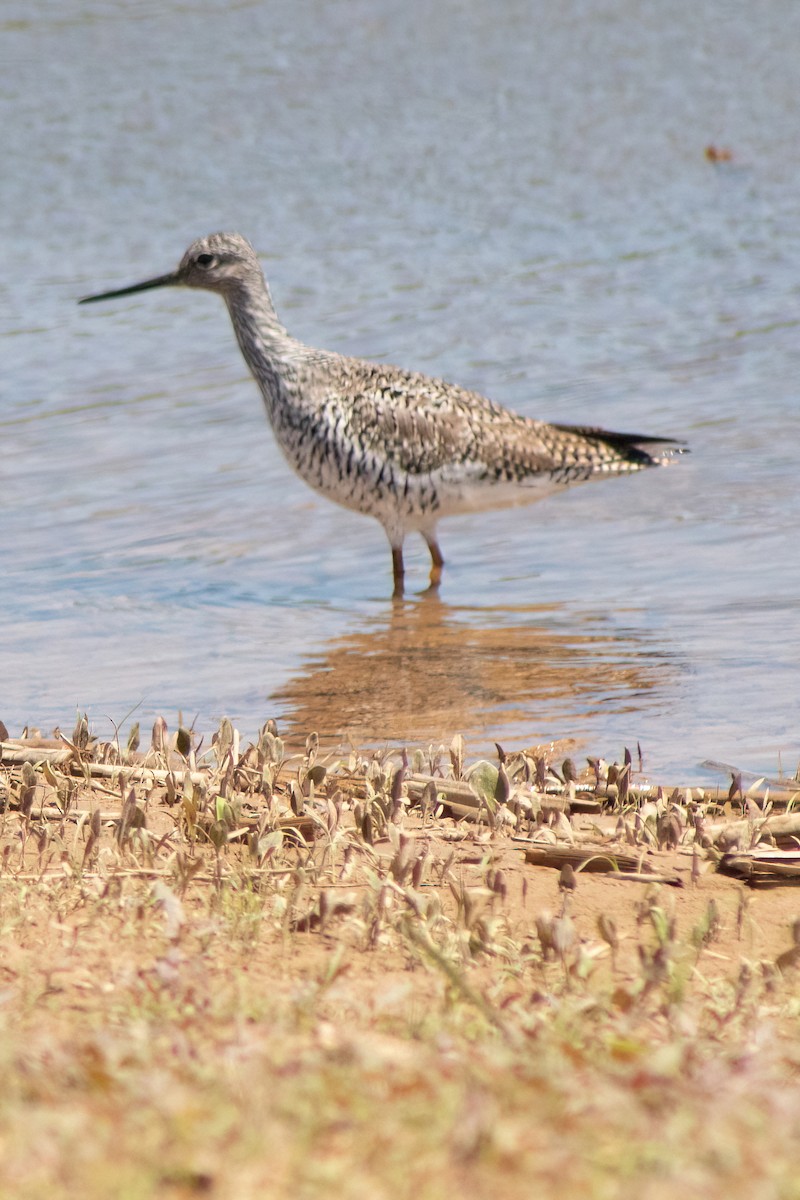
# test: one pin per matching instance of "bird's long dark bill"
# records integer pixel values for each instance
(163, 281)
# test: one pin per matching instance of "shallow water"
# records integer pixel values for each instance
(518, 202)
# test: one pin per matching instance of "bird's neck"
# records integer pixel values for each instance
(268, 349)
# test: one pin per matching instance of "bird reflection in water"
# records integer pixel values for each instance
(424, 670)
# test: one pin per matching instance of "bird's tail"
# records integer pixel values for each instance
(636, 449)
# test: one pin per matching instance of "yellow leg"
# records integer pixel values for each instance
(437, 561)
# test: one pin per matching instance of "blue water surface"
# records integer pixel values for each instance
(514, 196)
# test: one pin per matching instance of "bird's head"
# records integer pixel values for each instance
(220, 262)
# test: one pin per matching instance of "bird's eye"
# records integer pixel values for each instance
(205, 260)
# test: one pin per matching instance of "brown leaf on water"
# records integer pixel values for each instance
(718, 154)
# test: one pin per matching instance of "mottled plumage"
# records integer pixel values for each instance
(399, 446)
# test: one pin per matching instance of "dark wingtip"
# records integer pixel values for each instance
(630, 442)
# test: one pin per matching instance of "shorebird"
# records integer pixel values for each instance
(393, 444)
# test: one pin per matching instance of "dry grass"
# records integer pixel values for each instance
(195, 1002)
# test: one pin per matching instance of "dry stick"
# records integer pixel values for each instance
(785, 826)
(17, 755)
(592, 858)
(745, 866)
(138, 773)
(134, 772)
(459, 794)
(615, 864)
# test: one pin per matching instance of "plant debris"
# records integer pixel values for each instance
(218, 953)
